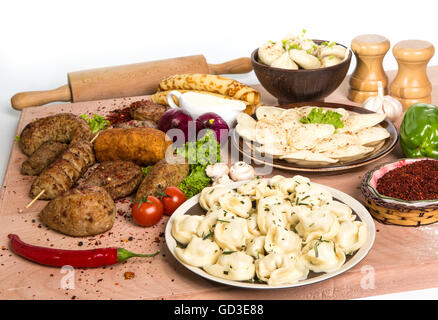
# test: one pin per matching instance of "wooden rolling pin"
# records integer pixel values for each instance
(125, 81)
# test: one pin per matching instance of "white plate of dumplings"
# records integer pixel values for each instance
(270, 233)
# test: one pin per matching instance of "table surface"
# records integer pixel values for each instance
(402, 259)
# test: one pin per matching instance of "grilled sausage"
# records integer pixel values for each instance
(62, 127)
(143, 146)
(147, 110)
(161, 176)
(119, 178)
(82, 211)
(42, 157)
(63, 173)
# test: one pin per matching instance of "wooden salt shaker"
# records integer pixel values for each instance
(369, 49)
(411, 84)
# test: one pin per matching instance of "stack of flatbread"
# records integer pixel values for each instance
(209, 84)
(279, 133)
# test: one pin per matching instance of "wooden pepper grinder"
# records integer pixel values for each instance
(411, 84)
(369, 49)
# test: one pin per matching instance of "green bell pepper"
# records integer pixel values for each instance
(419, 131)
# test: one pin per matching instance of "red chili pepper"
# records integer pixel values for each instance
(75, 258)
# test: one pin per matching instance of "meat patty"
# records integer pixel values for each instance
(80, 212)
(42, 157)
(161, 176)
(63, 173)
(119, 178)
(137, 124)
(62, 127)
(147, 110)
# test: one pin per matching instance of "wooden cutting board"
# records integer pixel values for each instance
(401, 259)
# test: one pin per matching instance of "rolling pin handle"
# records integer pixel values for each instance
(241, 65)
(36, 98)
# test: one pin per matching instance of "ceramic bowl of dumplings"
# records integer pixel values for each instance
(300, 85)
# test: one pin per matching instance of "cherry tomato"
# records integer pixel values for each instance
(172, 199)
(147, 212)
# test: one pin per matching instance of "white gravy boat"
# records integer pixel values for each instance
(199, 103)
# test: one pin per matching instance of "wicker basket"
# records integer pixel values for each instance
(402, 213)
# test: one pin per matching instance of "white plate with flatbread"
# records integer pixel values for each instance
(261, 138)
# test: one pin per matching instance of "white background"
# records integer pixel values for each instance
(41, 41)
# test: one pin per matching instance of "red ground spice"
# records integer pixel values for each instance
(119, 116)
(412, 182)
(124, 115)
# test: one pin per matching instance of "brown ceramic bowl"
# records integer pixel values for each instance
(300, 85)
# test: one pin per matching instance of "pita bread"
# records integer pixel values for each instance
(268, 132)
(306, 136)
(309, 157)
(274, 150)
(357, 122)
(349, 153)
(246, 126)
(268, 113)
(372, 136)
(336, 141)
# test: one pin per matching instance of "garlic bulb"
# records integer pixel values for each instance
(388, 105)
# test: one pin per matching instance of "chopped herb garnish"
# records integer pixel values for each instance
(315, 248)
(208, 235)
(146, 170)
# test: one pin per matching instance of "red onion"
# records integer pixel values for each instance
(213, 121)
(175, 119)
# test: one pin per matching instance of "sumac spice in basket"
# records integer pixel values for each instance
(412, 182)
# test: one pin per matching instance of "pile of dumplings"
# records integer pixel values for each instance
(295, 227)
(295, 53)
(279, 133)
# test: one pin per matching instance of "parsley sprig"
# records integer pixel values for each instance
(317, 115)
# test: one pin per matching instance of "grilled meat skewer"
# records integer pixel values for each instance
(42, 157)
(63, 173)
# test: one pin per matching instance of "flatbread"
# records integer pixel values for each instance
(305, 137)
(349, 153)
(336, 141)
(270, 133)
(275, 151)
(357, 122)
(372, 136)
(269, 113)
(246, 126)
(211, 83)
(308, 156)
